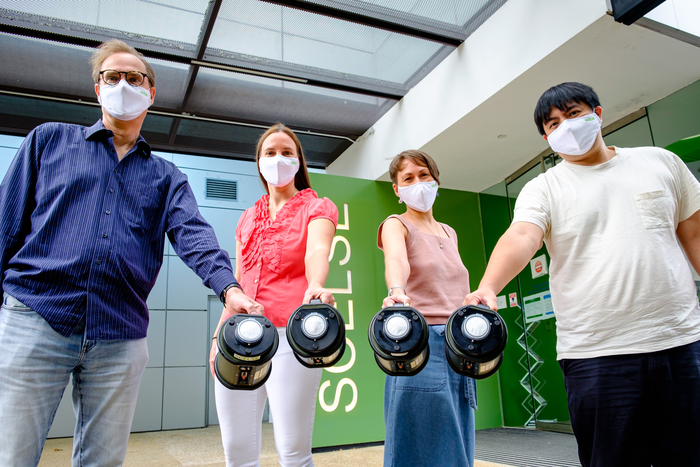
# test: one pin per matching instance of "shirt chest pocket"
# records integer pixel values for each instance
(141, 206)
(657, 209)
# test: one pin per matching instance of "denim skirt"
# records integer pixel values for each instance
(429, 417)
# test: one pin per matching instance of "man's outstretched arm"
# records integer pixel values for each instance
(512, 253)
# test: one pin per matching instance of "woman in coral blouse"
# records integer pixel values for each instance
(282, 248)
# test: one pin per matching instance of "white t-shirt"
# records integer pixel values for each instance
(619, 280)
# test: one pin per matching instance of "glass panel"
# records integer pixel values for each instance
(679, 14)
(156, 129)
(632, 135)
(543, 379)
(451, 18)
(550, 161)
(178, 20)
(516, 185)
(259, 99)
(288, 35)
(321, 151)
(19, 114)
(454, 12)
(498, 189)
(234, 139)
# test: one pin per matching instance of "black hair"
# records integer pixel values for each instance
(559, 96)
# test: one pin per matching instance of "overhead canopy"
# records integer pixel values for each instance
(225, 69)
(474, 113)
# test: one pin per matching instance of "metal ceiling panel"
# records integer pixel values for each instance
(239, 142)
(19, 114)
(64, 70)
(259, 99)
(53, 68)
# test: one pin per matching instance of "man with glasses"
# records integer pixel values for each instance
(83, 218)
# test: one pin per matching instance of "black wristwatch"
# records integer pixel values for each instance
(222, 297)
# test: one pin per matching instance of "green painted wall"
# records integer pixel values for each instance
(462, 211)
(350, 406)
(518, 404)
(495, 218)
(676, 116)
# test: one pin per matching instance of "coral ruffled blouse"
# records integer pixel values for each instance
(272, 254)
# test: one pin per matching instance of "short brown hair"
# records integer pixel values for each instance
(115, 46)
(301, 179)
(417, 157)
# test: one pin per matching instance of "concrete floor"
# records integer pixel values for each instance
(202, 447)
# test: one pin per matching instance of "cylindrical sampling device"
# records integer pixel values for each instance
(246, 345)
(316, 334)
(475, 339)
(399, 336)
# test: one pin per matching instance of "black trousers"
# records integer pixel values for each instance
(636, 410)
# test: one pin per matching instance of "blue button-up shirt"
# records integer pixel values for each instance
(82, 233)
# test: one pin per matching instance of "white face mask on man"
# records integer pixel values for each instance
(278, 170)
(575, 136)
(419, 196)
(124, 101)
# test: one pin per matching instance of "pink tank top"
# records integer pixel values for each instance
(439, 281)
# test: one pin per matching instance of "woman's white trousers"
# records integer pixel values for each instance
(292, 390)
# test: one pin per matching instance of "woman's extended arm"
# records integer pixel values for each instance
(396, 267)
(318, 249)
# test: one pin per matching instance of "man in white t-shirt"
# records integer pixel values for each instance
(628, 320)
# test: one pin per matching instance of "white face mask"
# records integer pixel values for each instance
(419, 196)
(124, 101)
(279, 170)
(575, 136)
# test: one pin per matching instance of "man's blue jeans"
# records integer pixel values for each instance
(35, 365)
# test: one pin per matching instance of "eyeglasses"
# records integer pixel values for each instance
(112, 77)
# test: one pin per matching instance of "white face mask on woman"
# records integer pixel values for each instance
(124, 101)
(278, 170)
(419, 196)
(575, 136)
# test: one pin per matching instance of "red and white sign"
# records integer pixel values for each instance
(538, 266)
(513, 299)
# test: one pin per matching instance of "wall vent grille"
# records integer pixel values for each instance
(226, 190)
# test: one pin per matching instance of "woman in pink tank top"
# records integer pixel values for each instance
(429, 417)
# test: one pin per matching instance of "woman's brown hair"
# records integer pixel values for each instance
(301, 179)
(418, 158)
